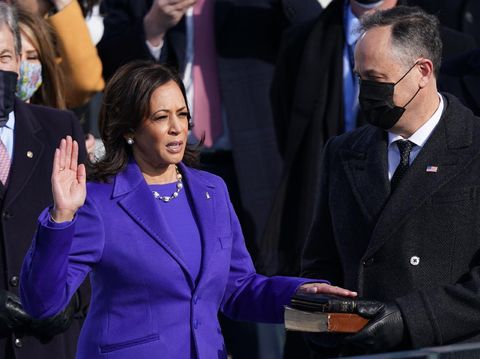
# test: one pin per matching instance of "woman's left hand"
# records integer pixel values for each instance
(324, 288)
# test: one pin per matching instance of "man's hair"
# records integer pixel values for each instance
(415, 33)
(8, 17)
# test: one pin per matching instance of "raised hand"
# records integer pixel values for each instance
(68, 181)
(163, 15)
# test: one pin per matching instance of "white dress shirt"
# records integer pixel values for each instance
(418, 138)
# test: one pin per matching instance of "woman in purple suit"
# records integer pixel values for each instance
(159, 239)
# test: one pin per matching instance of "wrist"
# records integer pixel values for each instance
(154, 33)
(60, 216)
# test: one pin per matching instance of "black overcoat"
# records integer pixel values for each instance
(420, 246)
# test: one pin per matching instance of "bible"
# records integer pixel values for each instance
(323, 313)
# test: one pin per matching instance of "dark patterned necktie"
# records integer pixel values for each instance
(405, 147)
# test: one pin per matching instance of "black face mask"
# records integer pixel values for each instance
(8, 85)
(376, 102)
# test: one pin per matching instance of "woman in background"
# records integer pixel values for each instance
(41, 80)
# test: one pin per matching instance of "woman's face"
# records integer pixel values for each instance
(29, 53)
(161, 138)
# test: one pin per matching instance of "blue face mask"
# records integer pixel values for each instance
(29, 80)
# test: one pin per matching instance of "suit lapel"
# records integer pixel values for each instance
(449, 149)
(27, 151)
(366, 168)
(139, 203)
(203, 198)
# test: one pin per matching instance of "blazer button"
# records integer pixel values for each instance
(415, 261)
(18, 342)
(368, 262)
(14, 281)
(6, 215)
(195, 324)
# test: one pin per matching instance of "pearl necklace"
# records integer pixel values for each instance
(166, 199)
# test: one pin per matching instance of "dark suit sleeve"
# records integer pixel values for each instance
(320, 257)
(124, 37)
(443, 315)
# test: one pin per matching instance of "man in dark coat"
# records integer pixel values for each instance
(397, 212)
(29, 135)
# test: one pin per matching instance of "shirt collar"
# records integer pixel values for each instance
(11, 122)
(423, 133)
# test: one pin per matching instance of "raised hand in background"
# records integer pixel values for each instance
(163, 15)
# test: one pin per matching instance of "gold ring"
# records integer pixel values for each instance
(61, 168)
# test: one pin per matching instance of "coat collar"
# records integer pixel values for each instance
(450, 148)
(137, 200)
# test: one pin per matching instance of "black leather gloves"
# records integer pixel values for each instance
(384, 331)
(14, 319)
(12, 315)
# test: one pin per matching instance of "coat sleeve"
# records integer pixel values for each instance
(59, 259)
(250, 296)
(79, 59)
(429, 314)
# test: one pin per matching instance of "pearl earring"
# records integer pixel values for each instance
(130, 141)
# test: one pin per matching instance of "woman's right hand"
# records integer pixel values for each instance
(68, 181)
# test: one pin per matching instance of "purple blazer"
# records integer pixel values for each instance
(145, 303)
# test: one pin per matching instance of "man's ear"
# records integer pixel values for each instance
(425, 67)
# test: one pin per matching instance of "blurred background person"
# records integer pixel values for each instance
(29, 135)
(42, 81)
(226, 52)
(80, 64)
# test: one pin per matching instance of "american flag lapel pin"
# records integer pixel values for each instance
(432, 169)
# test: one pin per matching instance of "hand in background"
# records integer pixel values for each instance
(163, 15)
(68, 181)
(324, 288)
(384, 331)
(90, 146)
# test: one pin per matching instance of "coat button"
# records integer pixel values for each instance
(368, 262)
(195, 324)
(14, 281)
(415, 261)
(6, 215)
(195, 299)
(18, 342)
